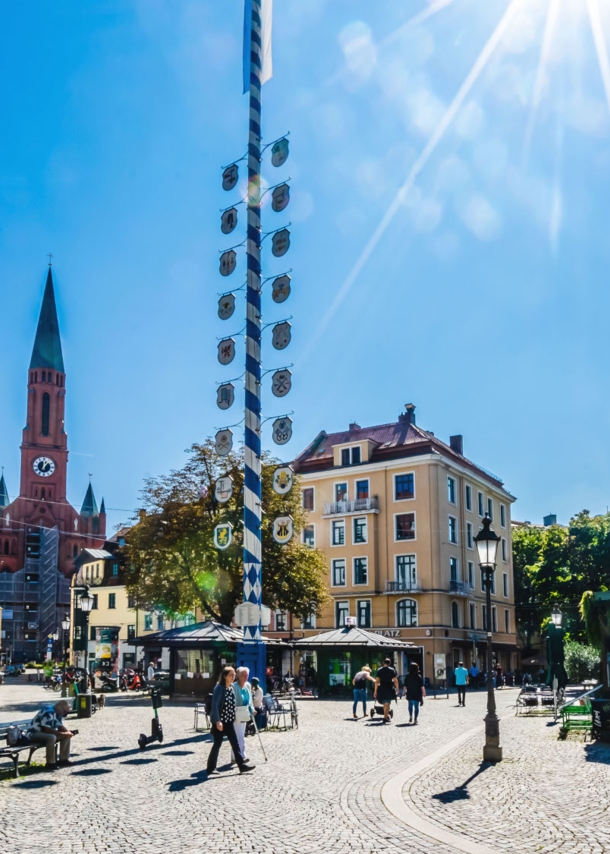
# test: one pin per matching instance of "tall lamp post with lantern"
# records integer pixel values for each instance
(487, 547)
(65, 641)
(84, 602)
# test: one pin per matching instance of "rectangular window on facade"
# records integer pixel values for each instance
(469, 535)
(361, 570)
(112, 600)
(453, 529)
(338, 573)
(338, 532)
(505, 584)
(406, 572)
(493, 581)
(406, 613)
(472, 608)
(471, 573)
(341, 613)
(490, 509)
(356, 456)
(131, 601)
(350, 456)
(94, 606)
(308, 498)
(309, 622)
(451, 490)
(504, 552)
(468, 491)
(360, 531)
(92, 633)
(362, 489)
(364, 613)
(454, 569)
(147, 622)
(115, 569)
(340, 492)
(309, 538)
(280, 621)
(507, 622)
(494, 618)
(160, 623)
(455, 615)
(481, 504)
(405, 526)
(503, 515)
(131, 632)
(78, 632)
(404, 487)
(345, 457)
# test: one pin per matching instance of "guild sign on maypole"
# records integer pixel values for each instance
(257, 69)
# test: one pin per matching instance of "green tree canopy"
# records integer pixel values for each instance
(170, 550)
(556, 566)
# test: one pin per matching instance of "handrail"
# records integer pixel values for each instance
(576, 699)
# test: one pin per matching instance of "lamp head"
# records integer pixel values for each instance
(487, 544)
(86, 602)
(556, 616)
(65, 624)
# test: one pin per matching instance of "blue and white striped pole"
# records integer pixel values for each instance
(252, 652)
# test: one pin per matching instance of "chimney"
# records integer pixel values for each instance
(354, 426)
(407, 417)
(456, 443)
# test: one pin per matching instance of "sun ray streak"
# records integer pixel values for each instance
(422, 16)
(545, 50)
(449, 115)
(600, 45)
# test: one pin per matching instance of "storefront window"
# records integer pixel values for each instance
(339, 670)
(194, 664)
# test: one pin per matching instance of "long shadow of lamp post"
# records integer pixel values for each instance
(487, 547)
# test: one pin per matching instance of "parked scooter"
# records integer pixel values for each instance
(108, 683)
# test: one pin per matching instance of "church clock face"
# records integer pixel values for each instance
(43, 466)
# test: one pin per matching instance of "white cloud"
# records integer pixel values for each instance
(480, 217)
(490, 157)
(359, 52)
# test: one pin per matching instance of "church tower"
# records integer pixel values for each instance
(41, 534)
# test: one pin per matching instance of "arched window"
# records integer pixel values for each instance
(6, 547)
(406, 612)
(74, 550)
(46, 409)
(455, 615)
(56, 379)
(14, 547)
(42, 493)
(44, 376)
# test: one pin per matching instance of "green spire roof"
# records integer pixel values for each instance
(89, 507)
(47, 346)
(103, 506)
(4, 499)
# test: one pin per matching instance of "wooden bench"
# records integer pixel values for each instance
(13, 752)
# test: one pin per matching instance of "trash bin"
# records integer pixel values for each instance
(84, 705)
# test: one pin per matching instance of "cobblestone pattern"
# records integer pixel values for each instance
(319, 792)
(545, 796)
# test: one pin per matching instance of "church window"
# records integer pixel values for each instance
(6, 547)
(46, 408)
(14, 547)
(57, 379)
(44, 376)
(42, 493)
(76, 524)
(74, 550)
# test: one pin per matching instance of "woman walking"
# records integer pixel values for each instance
(244, 710)
(416, 692)
(223, 721)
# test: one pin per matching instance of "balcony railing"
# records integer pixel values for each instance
(460, 587)
(402, 587)
(356, 505)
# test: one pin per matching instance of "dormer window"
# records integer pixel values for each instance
(351, 456)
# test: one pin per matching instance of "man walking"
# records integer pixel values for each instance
(461, 680)
(359, 682)
(48, 728)
(386, 687)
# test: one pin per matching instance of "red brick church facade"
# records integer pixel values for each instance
(41, 512)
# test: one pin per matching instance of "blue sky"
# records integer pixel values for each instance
(482, 298)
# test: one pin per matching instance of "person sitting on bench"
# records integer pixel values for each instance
(47, 728)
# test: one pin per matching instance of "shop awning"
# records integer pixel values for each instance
(198, 635)
(351, 637)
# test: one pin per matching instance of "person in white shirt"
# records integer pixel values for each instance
(151, 671)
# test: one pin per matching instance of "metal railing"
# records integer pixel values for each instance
(356, 505)
(402, 587)
(461, 587)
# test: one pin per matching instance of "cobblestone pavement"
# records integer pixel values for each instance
(319, 792)
(547, 795)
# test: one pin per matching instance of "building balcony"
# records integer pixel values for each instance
(356, 505)
(461, 588)
(403, 587)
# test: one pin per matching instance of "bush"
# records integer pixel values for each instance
(582, 661)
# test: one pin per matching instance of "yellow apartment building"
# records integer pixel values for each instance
(105, 638)
(395, 511)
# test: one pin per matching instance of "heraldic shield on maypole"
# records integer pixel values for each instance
(252, 614)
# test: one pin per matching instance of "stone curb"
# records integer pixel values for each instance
(394, 802)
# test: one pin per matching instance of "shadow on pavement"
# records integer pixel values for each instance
(92, 772)
(598, 752)
(199, 777)
(36, 784)
(136, 750)
(97, 749)
(460, 793)
(177, 752)
(143, 761)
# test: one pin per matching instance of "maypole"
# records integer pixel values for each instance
(252, 616)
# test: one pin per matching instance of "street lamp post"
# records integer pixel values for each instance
(487, 547)
(65, 627)
(85, 603)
